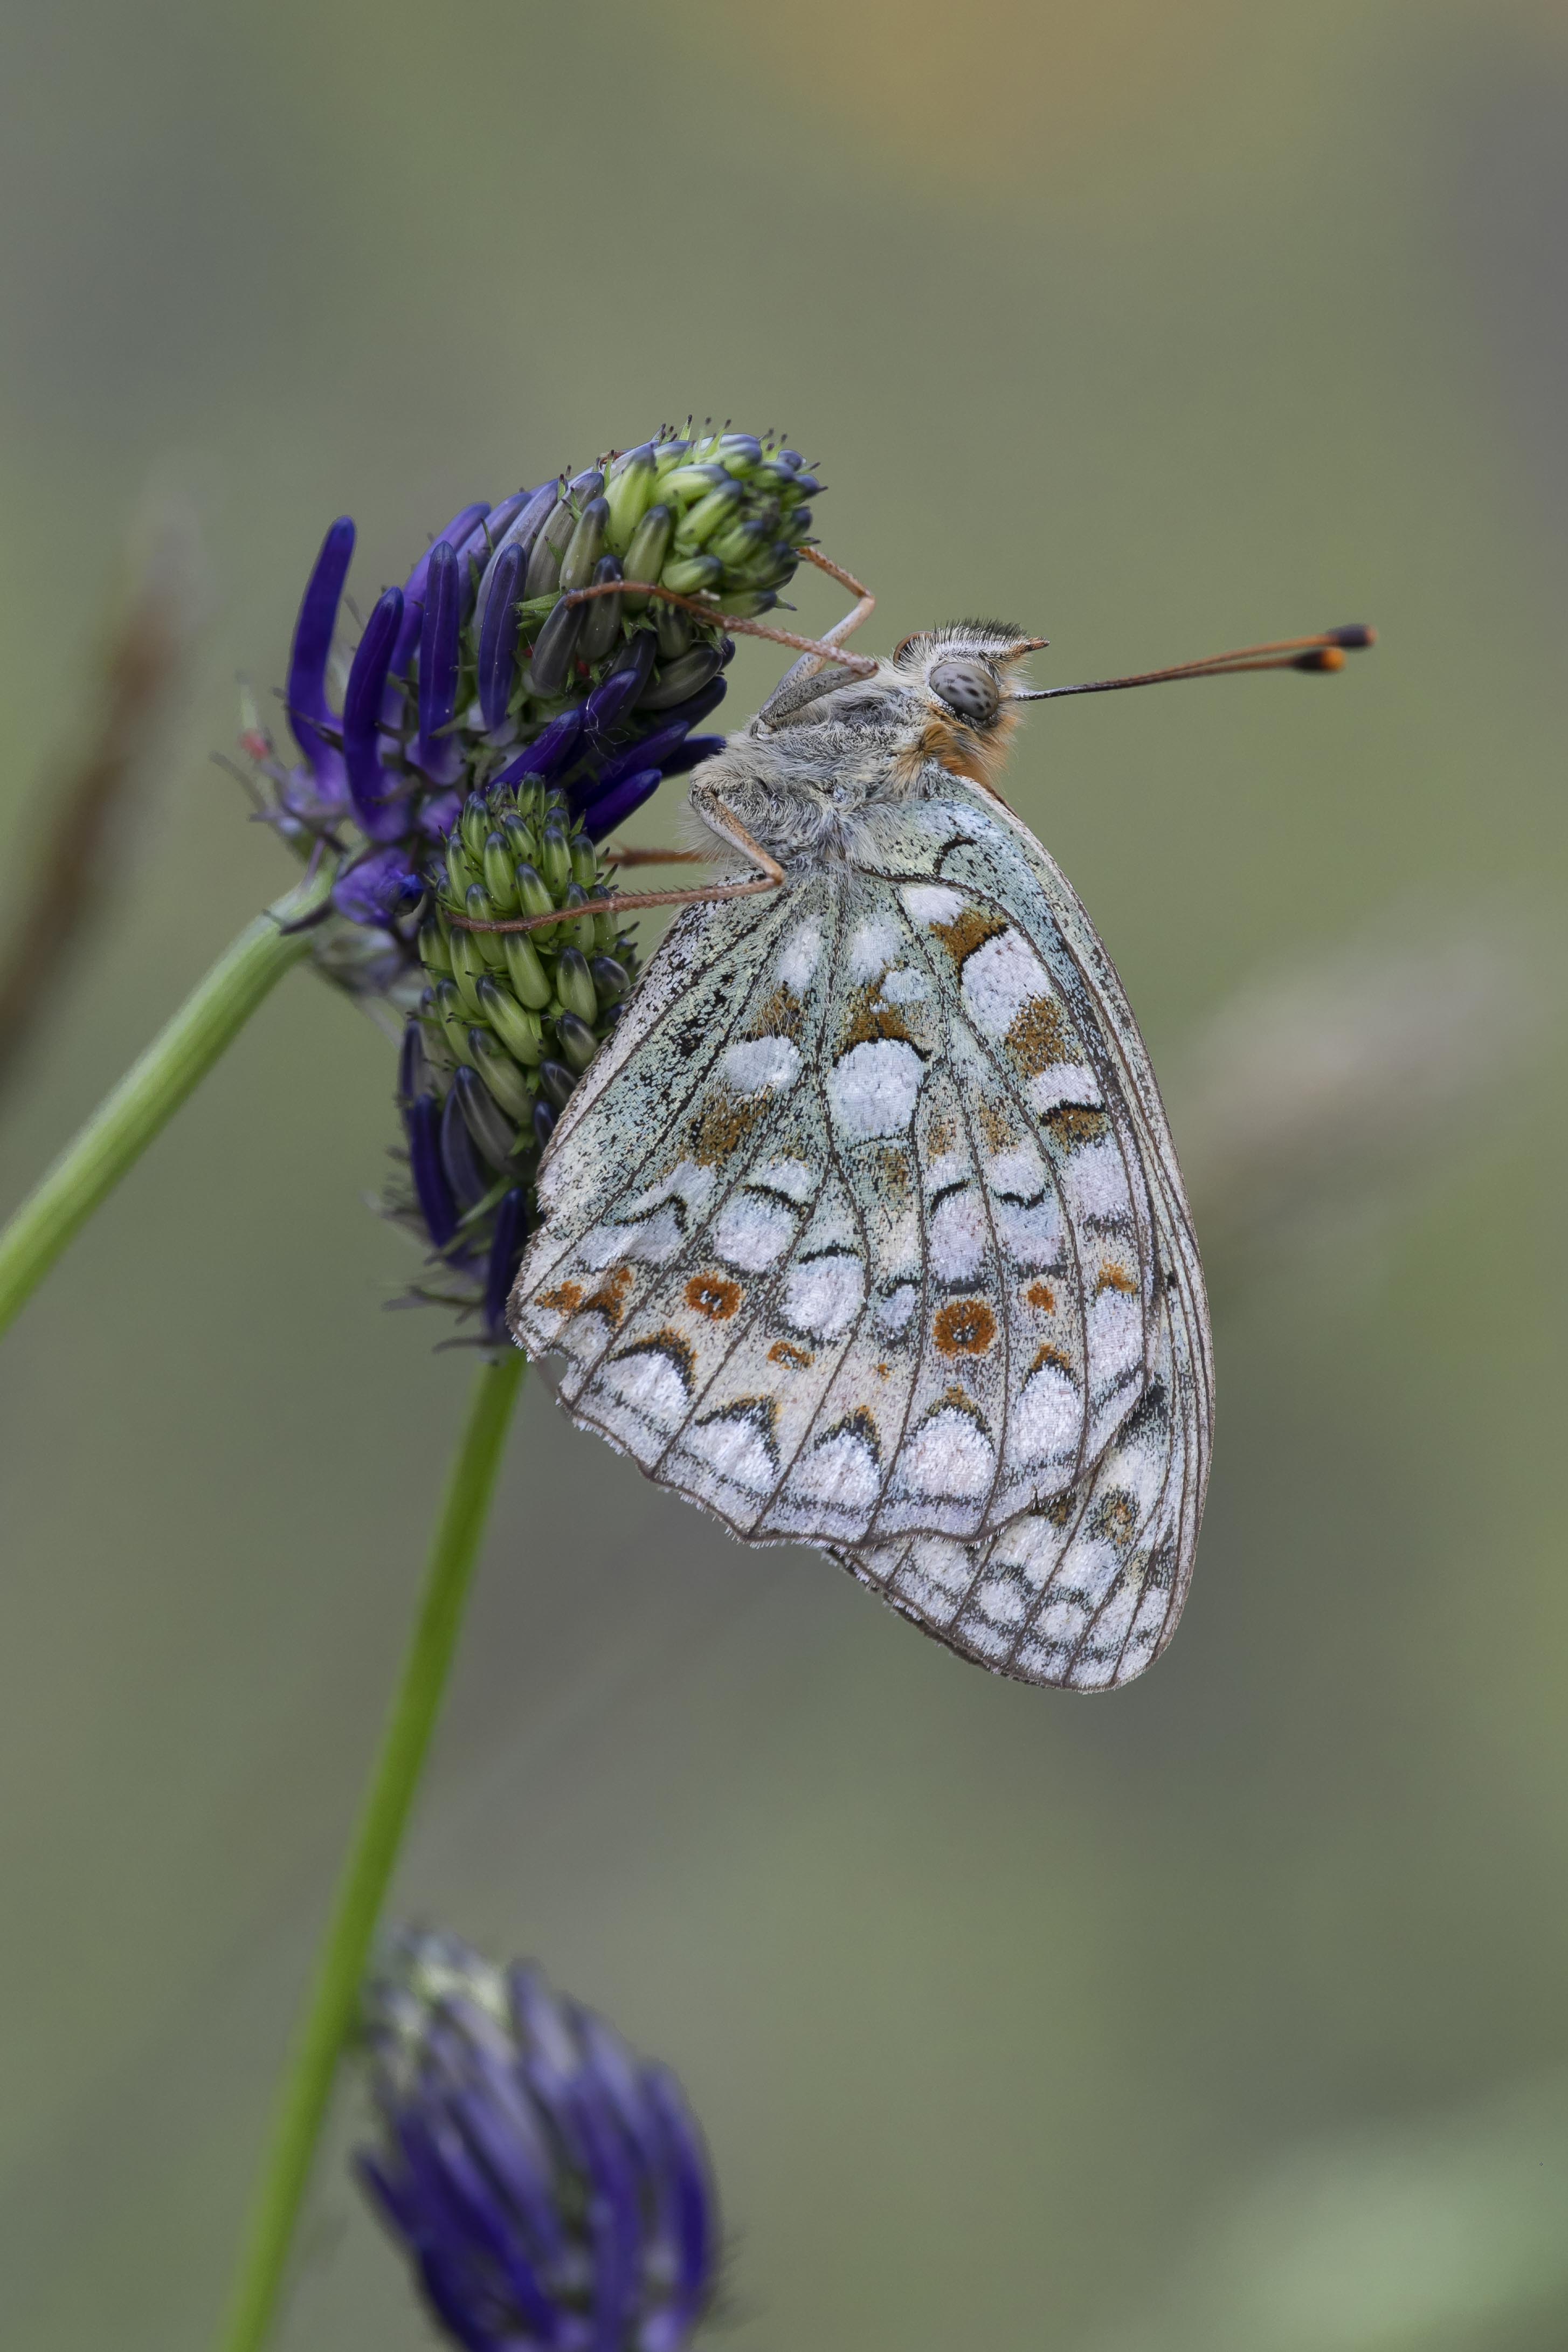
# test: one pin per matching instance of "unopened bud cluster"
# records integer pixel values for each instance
(550, 2187)
(487, 733)
(508, 1023)
(480, 668)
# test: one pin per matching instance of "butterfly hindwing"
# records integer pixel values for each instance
(847, 1233)
(1084, 1591)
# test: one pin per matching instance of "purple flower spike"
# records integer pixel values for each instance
(466, 1172)
(457, 533)
(550, 2186)
(611, 700)
(459, 528)
(548, 752)
(380, 887)
(648, 752)
(524, 526)
(439, 753)
(498, 638)
(506, 1250)
(614, 808)
(312, 648)
(693, 752)
(436, 1205)
(369, 781)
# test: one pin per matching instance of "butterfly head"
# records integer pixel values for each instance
(962, 678)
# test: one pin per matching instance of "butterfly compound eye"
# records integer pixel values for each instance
(969, 690)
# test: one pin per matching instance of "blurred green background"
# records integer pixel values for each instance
(1226, 2012)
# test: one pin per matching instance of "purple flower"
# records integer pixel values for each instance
(551, 2188)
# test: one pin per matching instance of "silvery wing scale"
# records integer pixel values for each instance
(866, 1230)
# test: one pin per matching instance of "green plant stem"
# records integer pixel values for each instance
(333, 2002)
(150, 1092)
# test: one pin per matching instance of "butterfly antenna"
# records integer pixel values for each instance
(1324, 652)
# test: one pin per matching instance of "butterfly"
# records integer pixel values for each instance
(865, 1229)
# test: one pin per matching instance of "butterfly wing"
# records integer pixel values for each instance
(1083, 1591)
(847, 1232)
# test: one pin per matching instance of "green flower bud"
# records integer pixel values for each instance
(467, 970)
(689, 576)
(557, 1081)
(433, 952)
(577, 1041)
(460, 873)
(555, 862)
(645, 556)
(499, 879)
(601, 624)
(628, 494)
(526, 972)
(543, 574)
(675, 631)
(612, 981)
(574, 984)
(486, 1122)
(453, 1016)
(681, 678)
(501, 1074)
(520, 844)
(581, 934)
(518, 1030)
(585, 547)
(480, 907)
(584, 862)
(474, 825)
(688, 484)
(533, 891)
(705, 517)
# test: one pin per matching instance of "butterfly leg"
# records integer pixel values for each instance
(819, 649)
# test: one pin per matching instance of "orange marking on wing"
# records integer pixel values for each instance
(712, 1295)
(964, 1327)
(793, 1359)
(1040, 1294)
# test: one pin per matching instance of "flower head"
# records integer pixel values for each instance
(485, 737)
(479, 668)
(552, 2189)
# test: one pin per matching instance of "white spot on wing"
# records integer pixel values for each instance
(823, 1295)
(872, 1088)
(759, 1064)
(891, 1314)
(794, 1178)
(873, 945)
(906, 987)
(799, 957)
(957, 1237)
(752, 1232)
(840, 1470)
(1063, 1082)
(650, 1381)
(929, 902)
(732, 1445)
(1045, 1421)
(1000, 979)
(949, 1456)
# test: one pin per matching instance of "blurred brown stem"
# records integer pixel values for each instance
(76, 816)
